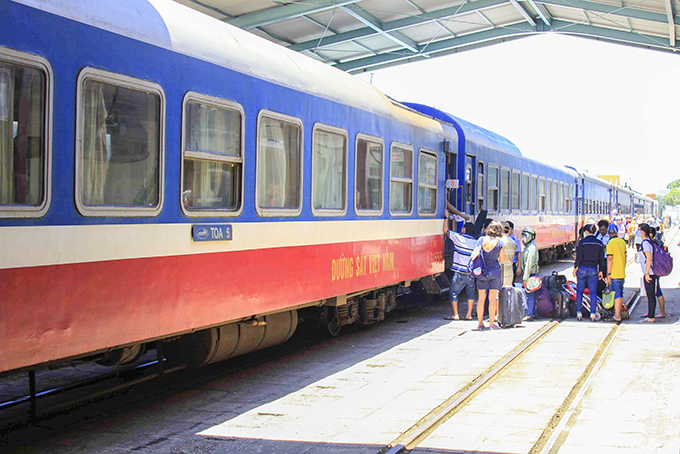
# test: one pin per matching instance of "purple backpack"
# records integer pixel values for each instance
(662, 262)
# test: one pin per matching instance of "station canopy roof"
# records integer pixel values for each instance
(362, 35)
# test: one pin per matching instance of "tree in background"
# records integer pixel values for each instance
(673, 196)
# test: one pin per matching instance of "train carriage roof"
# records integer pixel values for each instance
(472, 133)
(175, 27)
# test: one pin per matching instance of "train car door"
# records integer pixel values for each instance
(469, 185)
(579, 207)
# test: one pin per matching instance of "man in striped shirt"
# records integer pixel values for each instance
(463, 244)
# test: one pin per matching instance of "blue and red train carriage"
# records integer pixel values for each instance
(167, 177)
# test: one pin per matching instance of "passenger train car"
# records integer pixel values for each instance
(167, 179)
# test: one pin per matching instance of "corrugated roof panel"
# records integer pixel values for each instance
(380, 44)
(339, 20)
(295, 30)
(236, 7)
(424, 33)
(340, 52)
(387, 11)
(433, 5)
(468, 23)
(650, 28)
(503, 15)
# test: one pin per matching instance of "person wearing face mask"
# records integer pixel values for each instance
(529, 267)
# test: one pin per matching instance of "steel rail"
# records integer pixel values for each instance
(410, 439)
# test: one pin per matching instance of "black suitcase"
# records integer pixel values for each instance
(561, 303)
(510, 306)
(554, 281)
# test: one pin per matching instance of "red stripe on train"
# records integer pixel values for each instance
(53, 312)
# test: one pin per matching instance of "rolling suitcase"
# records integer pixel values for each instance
(561, 304)
(554, 281)
(510, 306)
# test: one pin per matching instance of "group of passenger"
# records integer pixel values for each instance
(504, 259)
(601, 258)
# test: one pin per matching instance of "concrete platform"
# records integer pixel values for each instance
(357, 393)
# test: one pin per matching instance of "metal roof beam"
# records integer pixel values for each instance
(671, 24)
(614, 35)
(443, 26)
(435, 48)
(488, 37)
(373, 22)
(542, 12)
(525, 14)
(287, 11)
(400, 23)
(611, 9)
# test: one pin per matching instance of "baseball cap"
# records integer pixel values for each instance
(613, 228)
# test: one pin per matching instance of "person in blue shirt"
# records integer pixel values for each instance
(463, 244)
(602, 231)
(589, 267)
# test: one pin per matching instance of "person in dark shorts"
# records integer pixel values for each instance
(491, 248)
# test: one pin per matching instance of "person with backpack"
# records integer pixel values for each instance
(529, 268)
(660, 299)
(651, 281)
(490, 248)
(589, 267)
(463, 244)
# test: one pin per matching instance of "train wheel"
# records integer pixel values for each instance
(329, 322)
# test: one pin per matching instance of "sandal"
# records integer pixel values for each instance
(481, 328)
(452, 317)
(647, 320)
(494, 326)
(579, 316)
(593, 317)
(469, 318)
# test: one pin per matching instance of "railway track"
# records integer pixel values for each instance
(553, 433)
(81, 400)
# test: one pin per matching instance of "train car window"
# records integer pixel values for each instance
(555, 205)
(279, 165)
(548, 193)
(515, 189)
(212, 156)
(480, 186)
(119, 146)
(329, 171)
(492, 195)
(401, 180)
(560, 197)
(567, 198)
(25, 134)
(541, 195)
(534, 192)
(505, 189)
(368, 175)
(427, 182)
(525, 192)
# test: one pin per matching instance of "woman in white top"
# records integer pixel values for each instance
(509, 250)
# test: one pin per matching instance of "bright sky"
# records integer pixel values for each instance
(604, 108)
